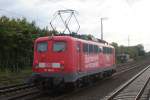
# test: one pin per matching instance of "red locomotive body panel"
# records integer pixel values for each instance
(59, 59)
(71, 58)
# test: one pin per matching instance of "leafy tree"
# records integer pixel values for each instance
(16, 42)
(133, 51)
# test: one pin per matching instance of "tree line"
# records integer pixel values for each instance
(16, 42)
(133, 51)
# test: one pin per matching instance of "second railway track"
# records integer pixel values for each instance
(18, 91)
(133, 89)
(13, 88)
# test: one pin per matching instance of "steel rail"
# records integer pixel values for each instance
(24, 94)
(126, 84)
(11, 86)
(142, 90)
(15, 88)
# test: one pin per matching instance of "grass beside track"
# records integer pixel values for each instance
(7, 77)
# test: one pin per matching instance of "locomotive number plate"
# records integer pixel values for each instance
(56, 65)
(41, 65)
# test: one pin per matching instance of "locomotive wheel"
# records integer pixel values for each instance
(79, 83)
(39, 84)
(70, 86)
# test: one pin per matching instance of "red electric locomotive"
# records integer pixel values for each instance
(66, 59)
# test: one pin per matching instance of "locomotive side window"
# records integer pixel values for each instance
(99, 50)
(42, 46)
(59, 46)
(96, 49)
(85, 48)
(110, 50)
(104, 50)
(107, 50)
(91, 48)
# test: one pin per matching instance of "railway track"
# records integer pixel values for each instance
(133, 89)
(12, 88)
(29, 92)
(125, 66)
(18, 91)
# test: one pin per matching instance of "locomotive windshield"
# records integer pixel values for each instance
(59, 46)
(42, 47)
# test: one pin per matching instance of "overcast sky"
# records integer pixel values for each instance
(124, 17)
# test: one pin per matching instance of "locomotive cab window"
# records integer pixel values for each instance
(59, 46)
(42, 46)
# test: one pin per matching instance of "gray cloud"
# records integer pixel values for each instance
(123, 20)
(7, 3)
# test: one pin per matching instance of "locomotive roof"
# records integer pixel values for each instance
(73, 38)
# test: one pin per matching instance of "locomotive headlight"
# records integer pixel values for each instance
(37, 66)
(56, 65)
(42, 65)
